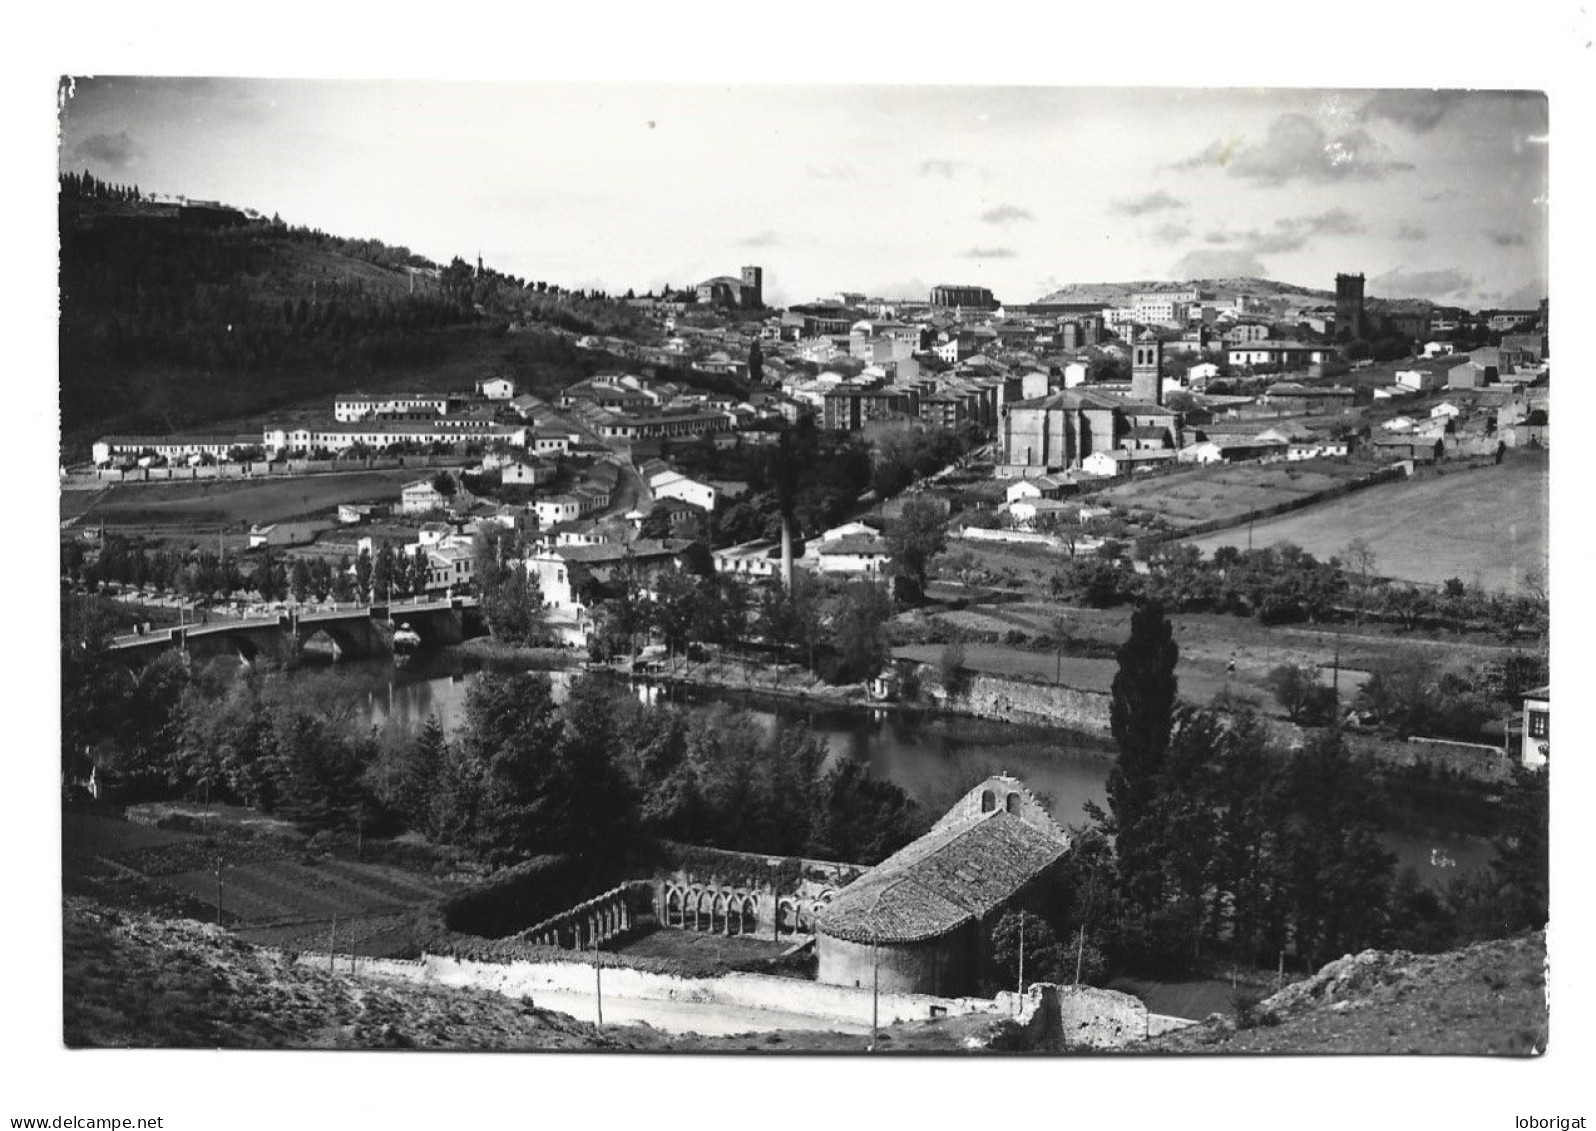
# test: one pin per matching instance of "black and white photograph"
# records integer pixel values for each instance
(925, 570)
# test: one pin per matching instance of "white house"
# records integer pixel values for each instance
(1399, 424)
(852, 554)
(1042, 487)
(557, 508)
(496, 389)
(1201, 452)
(1446, 410)
(1420, 380)
(527, 474)
(284, 533)
(421, 496)
(675, 485)
(1033, 384)
(1074, 374)
(1437, 349)
(1101, 464)
(1202, 373)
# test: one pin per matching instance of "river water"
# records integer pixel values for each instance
(933, 759)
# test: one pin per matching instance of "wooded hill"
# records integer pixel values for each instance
(178, 316)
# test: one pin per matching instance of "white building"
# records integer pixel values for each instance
(557, 508)
(421, 496)
(496, 389)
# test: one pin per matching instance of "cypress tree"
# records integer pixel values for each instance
(1140, 715)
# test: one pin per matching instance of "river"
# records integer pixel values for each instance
(934, 759)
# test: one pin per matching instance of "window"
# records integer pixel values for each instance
(988, 801)
(1539, 724)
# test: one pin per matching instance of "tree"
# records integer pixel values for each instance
(1297, 689)
(1141, 711)
(860, 819)
(299, 580)
(756, 363)
(363, 572)
(1522, 860)
(509, 741)
(950, 666)
(858, 633)
(443, 483)
(918, 535)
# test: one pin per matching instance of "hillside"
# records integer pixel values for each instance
(135, 981)
(1489, 998)
(181, 318)
(1109, 293)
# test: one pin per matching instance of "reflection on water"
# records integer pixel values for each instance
(933, 759)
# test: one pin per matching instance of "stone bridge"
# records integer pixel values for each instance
(353, 633)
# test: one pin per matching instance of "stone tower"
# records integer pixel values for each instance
(1147, 364)
(1349, 307)
(753, 296)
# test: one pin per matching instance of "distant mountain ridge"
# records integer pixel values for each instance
(1221, 288)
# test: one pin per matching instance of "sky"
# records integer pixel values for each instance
(886, 189)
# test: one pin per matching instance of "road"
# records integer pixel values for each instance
(687, 1016)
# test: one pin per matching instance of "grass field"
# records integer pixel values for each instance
(1207, 494)
(1487, 525)
(210, 504)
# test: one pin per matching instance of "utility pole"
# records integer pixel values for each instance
(875, 986)
(218, 895)
(332, 944)
(1080, 952)
(598, 979)
(1022, 952)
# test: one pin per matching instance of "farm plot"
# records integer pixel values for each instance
(209, 504)
(276, 891)
(1206, 495)
(1486, 525)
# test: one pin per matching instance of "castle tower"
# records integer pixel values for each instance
(1147, 364)
(753, 296)
(1349, 307)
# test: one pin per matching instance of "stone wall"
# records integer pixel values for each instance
(1021, 701)
(1093, 1018)
(738, 991)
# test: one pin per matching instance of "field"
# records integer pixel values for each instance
(270, 891)
(1485, 525)
(1217, 493)
(211, 504)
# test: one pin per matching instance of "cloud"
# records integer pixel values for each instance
(1297, 148)
(989, 253)
(1440, 196)
(114, 151)
(1525, 297)
(938, 168)
(1289, 233)
(1419, 111)
(836, 171)
(1158, 201)
(1399, 282)
(767, 238)
(1410, 231)
(1505, 239)
(1006, 214)
(1207, 263)
(1171, 233)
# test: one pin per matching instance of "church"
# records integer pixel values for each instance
(1057, 431)
(919, 920)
